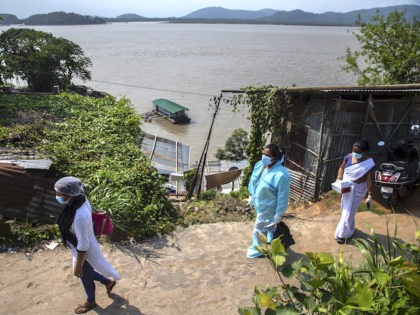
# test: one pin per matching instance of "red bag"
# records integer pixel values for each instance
(102, 224)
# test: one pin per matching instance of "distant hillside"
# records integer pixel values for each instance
(62, 18)
(222, 13)
(334, 18)
(295, 17)
(53, 18)
(9, 19)
(129, 17)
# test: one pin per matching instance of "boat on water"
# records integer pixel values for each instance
(170, 110)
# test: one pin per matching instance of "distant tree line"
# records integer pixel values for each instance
(54, 18)
(221, 15)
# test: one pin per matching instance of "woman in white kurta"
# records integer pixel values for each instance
(76, 228)
(357, 170)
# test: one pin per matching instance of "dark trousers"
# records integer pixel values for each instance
(88, 279)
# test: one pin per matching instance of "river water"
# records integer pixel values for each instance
(191, 63)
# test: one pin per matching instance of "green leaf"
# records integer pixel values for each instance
(363, 296)
(288, 271)
(320, 260)
(312, 258)
(286, 311)
(277, 247)
(411, 282)
(396, 261)
(261, 249)
(279, 260)
(300, 297)
(249, 311)
(316, 283)
(310, 303)
(267, 301)
(325, 259)
(381, 277)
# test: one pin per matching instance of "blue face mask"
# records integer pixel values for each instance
(357, 155)
(266, 160)
(61, 200)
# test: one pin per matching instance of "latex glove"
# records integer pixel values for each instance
(368, 201)
(250, 201)
(277, 218)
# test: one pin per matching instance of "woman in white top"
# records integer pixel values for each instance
(356, 169)
(76, 228)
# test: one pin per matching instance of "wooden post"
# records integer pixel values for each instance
(176, 167)
(154, 147)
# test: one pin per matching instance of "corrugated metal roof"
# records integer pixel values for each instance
(167, 156)
(377, 89)
(302, 186)
(27, 194)
(43, 164)
(169, 106)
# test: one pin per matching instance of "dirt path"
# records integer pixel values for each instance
(199, 270)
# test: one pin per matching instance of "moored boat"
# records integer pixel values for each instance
(170, 110)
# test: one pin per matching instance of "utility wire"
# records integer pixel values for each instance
(149, 88)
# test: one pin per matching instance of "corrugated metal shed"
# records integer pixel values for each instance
(168, 156)
(27, 192)
(324, 122)
(401, 89)
(332, 119)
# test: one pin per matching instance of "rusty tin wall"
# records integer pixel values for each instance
(330, 124)
(27, 194)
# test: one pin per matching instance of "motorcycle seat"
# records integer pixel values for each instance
(393, 166)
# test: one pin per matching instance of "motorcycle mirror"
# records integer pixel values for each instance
(381, 143)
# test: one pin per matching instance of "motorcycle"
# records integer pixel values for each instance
(401, 174)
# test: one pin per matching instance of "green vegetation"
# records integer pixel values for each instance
(216, 208)
(387, 281)
(363, 208)
(268, 112)
(40, 59)
(95, 140)
(235, 147)
(389, 49)
(29, 234)
(62, 18)
(53, 18)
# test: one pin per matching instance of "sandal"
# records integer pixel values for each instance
(85, 307)
(110, 286)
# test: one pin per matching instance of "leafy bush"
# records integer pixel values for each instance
(223, 208)
(95, 140)
(208, 194)
(28, 234)
(387, 282)
(241, 194)
(40, 59)
(235, 146)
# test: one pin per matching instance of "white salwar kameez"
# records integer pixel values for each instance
(350, 201)
(82, 228)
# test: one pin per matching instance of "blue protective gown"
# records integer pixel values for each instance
(270, 194)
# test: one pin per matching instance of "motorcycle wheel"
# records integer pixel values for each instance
(393, 200)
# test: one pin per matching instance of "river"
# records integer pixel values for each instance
(191, 63)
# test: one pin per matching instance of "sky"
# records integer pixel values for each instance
(178, 8)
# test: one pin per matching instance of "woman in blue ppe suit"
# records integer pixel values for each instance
(269, 187)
